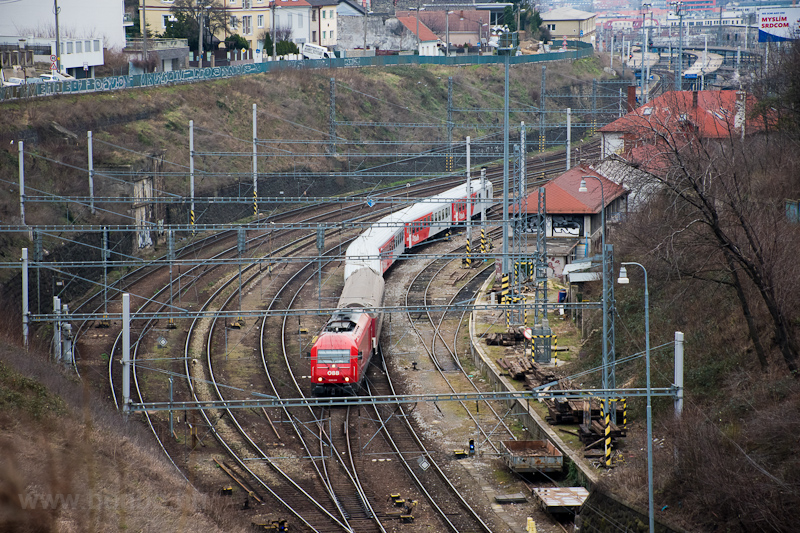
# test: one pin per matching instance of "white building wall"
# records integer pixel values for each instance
(78, 19)
(612, 143)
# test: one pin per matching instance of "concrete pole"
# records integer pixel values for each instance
(447, 32)
(483, 187)
(569, 135)
(126, 353)
(272, 35)
(469, 197)
(255, 163)
(22, 181)
(25, 302)
(91, 172)
(644, 45)
(143, 31)
(58, 37)
(679, 373)
(67, 335)
(611, 66)
(191, 173)
(57, 328)
(199, 36)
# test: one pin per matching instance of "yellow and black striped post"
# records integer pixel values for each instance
(255, 204)
(624, 413)
(483, 242)
(504, 297)
(555, 345)
(607, 440)
(469, 254)
(191, 220)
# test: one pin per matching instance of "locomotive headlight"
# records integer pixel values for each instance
(347, 378)
(319, 379)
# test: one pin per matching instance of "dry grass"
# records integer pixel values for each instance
(69, 463)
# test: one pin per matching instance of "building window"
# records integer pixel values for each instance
(331, 34)
(245, 4)
(313, 36)
(314, 15)
(289, 19)
(97, 45)
(261, 21)
(324, 14)
(234, 23)
(323, 35)
(551, 27)
(69, 47)
(78, 47)
(247, 25)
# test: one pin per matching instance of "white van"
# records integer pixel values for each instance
(313, 51)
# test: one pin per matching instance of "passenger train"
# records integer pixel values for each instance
(344, 348)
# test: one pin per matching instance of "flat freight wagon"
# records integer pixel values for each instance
(526, 456)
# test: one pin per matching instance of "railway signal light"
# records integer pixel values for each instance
(472, 446)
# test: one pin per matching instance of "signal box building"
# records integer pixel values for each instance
(574, 218)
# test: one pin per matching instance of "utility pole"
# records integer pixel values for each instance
(679, 63)
(143, 31)
(56, 10)
(199, 35)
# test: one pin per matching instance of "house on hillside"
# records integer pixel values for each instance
(464, 26)
(251, 18)
(570, 23)
(573, 218)
(324, 20)
(637, 146)
(682, 115)
(428, 41)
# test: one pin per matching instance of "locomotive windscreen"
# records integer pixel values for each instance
(333, 357)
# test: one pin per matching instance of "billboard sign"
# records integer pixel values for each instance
(778, 24)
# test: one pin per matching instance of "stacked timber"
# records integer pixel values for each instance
(503, 339)
(523, 369)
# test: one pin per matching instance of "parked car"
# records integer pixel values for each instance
(13, 82)
(55, 76)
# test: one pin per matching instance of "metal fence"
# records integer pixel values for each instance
(156, 79)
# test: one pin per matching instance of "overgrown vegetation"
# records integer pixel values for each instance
(720, 254)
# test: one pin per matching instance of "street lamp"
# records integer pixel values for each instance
(623, 279)
(583, 188)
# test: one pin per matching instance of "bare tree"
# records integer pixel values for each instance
(720, 208)
(186, 20)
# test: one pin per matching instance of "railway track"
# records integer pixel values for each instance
(261, 246)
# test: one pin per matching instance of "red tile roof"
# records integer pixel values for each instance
(562, 196)
(291, 3)
(425, 33)
(704, 114)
